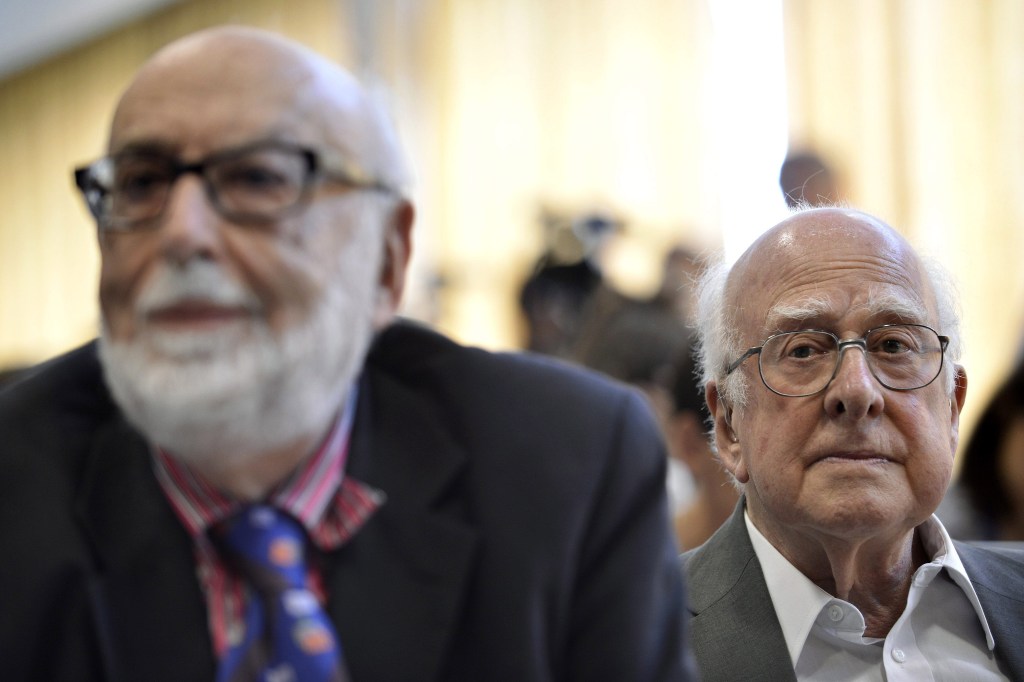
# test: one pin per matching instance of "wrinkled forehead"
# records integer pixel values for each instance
(828, 268)
(222, 88)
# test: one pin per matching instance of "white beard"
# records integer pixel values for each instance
(242, 391)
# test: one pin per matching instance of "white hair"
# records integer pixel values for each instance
(718, 339)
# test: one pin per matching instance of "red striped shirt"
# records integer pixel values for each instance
(331, 506)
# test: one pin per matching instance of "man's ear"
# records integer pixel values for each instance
(394, 261)
(727, 440)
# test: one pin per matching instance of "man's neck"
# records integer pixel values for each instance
(874, 579)
(873, 573)
(250, 476)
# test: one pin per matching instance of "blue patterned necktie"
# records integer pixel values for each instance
(288, 637)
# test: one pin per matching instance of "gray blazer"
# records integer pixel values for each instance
(736, 634)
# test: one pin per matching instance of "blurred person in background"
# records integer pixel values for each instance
(681, 269)
(714, 491)
(647, 345)
(806, 180)
(639, 343)
(258, 473)
(987, 500)
(567, 287)
(553, 300)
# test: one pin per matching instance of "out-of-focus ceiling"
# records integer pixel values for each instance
(33, 30)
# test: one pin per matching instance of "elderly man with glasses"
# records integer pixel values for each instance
(257, 473)
(829, 355)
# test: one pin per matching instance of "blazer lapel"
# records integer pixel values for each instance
(150, 612)
(732, 609)
(396, 588)
(997, 579)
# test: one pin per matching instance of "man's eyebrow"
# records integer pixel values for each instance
(879, 306)
(782, 316)
(146, 147)
(889, 305)
(163, 148)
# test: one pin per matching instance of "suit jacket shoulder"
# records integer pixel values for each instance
(47, 423)
(545, 486)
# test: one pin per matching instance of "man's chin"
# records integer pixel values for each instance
(201, 398)
(194, 408)
(179, 346)
(194, 377)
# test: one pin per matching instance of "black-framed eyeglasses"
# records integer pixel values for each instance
(902, 357)
(255, 184)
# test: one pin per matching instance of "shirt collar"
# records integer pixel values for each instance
(938, 545)
(798, 601)
(305, 494)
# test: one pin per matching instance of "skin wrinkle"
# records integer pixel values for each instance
(795, 316)
(846, 524)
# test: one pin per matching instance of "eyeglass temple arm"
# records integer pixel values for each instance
(750, 351)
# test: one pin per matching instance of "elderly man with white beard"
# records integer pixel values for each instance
(256, 472)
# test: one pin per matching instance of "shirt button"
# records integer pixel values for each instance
(835, 612)
(898, 655)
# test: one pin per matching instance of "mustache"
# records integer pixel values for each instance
(196, 281)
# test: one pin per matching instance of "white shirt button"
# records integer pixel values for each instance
(835, 613)
(898, 655)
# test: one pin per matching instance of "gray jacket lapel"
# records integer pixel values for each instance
(998, 578)
(735, 633)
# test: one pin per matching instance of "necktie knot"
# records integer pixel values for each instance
(269, 548)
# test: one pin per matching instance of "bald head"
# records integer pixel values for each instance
(788, 273)
(811, 246)
(236, 82)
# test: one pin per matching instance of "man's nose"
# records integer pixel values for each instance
(190, 225)
(854, 390)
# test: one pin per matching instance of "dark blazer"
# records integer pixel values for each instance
(732, 610)
(525, 534)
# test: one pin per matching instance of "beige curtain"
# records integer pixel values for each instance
(920, 106)
(511, 107)
(517, 107)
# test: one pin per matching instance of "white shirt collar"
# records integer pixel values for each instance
(798, 601)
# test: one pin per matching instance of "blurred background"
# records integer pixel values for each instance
(605, 143)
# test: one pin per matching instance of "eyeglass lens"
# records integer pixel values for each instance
(257, 184)
(901, 357)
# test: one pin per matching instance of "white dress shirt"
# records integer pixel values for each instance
(942, 635)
